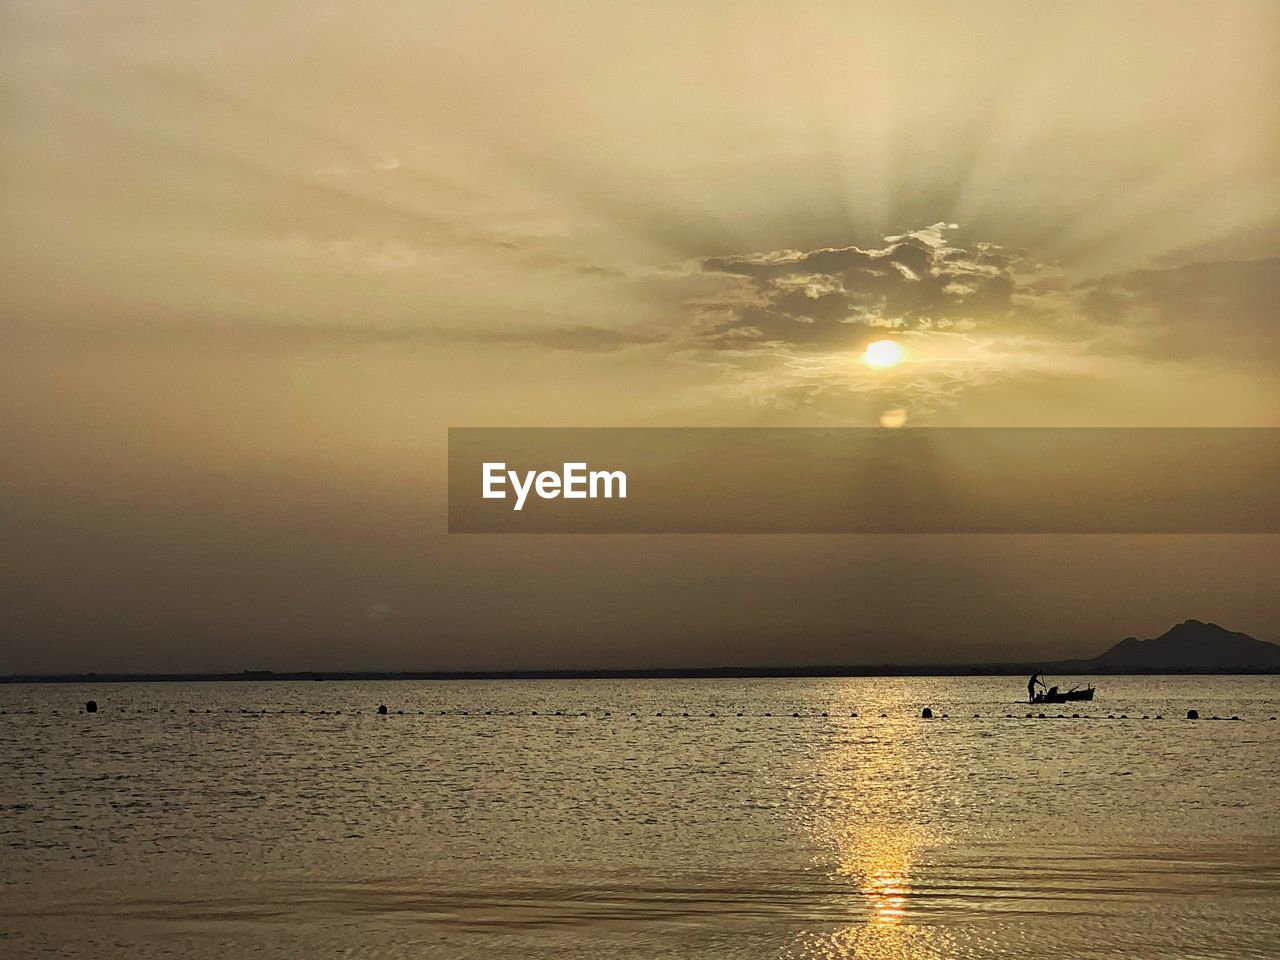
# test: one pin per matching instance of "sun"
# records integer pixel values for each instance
(882, 354)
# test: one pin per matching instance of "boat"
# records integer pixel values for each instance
(1053, 695)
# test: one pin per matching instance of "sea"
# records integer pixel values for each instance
(725, 818)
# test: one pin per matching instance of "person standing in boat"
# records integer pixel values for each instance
(1031, 687)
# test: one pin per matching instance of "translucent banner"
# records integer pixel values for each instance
(975, 480)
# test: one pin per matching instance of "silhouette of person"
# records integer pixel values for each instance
(1031, 687)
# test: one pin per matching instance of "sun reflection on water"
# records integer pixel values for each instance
(877, 858)
(875, 825)
(886, 889)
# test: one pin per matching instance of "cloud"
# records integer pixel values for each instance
(838, 296)
(206, 332)
(605, 273)
(919, 284)
(786, 325)
(380, 164)
(578, 338)
(1224, 310)
(355, 255)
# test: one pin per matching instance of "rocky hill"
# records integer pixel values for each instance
(1190, 645)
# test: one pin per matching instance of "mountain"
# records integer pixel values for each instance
(1191, 645)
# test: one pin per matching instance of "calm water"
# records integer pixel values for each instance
(147, 830)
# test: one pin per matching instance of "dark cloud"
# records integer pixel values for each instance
(836, 296)
(783, 324)
(292, 337)
(1227, 309)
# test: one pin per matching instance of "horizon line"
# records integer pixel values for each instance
(982, 668)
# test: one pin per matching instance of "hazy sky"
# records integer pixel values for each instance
(257, 257)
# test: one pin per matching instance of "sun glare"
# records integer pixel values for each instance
(882, 354)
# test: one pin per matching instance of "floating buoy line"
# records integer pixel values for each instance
(383, 710)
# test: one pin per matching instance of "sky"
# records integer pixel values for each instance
(257, 258)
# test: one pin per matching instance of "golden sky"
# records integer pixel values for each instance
(257, 257)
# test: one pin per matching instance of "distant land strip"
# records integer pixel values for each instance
(660, 673)
(1190, 647)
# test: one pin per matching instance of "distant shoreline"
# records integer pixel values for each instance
(690, 673)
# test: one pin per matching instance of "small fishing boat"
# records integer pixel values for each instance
(1053, 695)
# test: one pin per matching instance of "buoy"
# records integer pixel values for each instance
(382, 709)
(926, 714)
(1040, 716)
(91, 706)
(1193, 714)
(853, 714)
